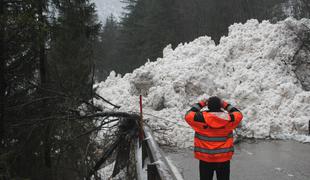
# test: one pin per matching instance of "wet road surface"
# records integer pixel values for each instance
(254, 160)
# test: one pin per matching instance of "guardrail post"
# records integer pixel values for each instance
(144, 152)
(151, 172)
(309, 128)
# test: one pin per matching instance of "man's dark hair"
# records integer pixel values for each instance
(214, 103)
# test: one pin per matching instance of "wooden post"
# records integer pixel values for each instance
(309, 128)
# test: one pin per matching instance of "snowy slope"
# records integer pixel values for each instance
(249, 68)
(107, 7)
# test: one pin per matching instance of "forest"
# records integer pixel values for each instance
(149, 26)
(52, 52)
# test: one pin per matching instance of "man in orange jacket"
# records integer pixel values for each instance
(213, 136)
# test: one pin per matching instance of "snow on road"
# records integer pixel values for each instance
(251, 68)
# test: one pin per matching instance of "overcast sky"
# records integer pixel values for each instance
(107, 7)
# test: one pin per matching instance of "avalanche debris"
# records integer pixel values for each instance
(249, 68)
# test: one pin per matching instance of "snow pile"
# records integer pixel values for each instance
(250, 68)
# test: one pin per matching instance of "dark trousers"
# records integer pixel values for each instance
(207, 170)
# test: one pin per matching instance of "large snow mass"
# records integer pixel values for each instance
(250, 68)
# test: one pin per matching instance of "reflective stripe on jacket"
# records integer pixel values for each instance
(213, 132)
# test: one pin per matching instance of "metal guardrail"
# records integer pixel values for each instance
(151, 163)
(150, 158)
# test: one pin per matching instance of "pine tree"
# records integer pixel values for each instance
(147, 28)
(159, 28)
(2, 69)
(106, 50)
(71, 64)
(22, 47)
(32, 101)
(130, 35)
(72, 52)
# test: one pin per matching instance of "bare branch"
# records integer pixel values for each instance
(104, 157)
(100, 97)
(96, 128)
(31, 102)
(64, 95)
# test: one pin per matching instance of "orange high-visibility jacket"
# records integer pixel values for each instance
(213, 132)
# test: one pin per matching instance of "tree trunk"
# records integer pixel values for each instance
(2, 73)
(42, 55)
(43, 81)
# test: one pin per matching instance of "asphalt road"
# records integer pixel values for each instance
(254, 160)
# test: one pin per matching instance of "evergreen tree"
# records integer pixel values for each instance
(72, 58)
(145, 31)
(149, 25)
(32, 101)
(71, 64)
(130, 32)
(3, 17)
(159, 27)
(106, 50)
(23, 38)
